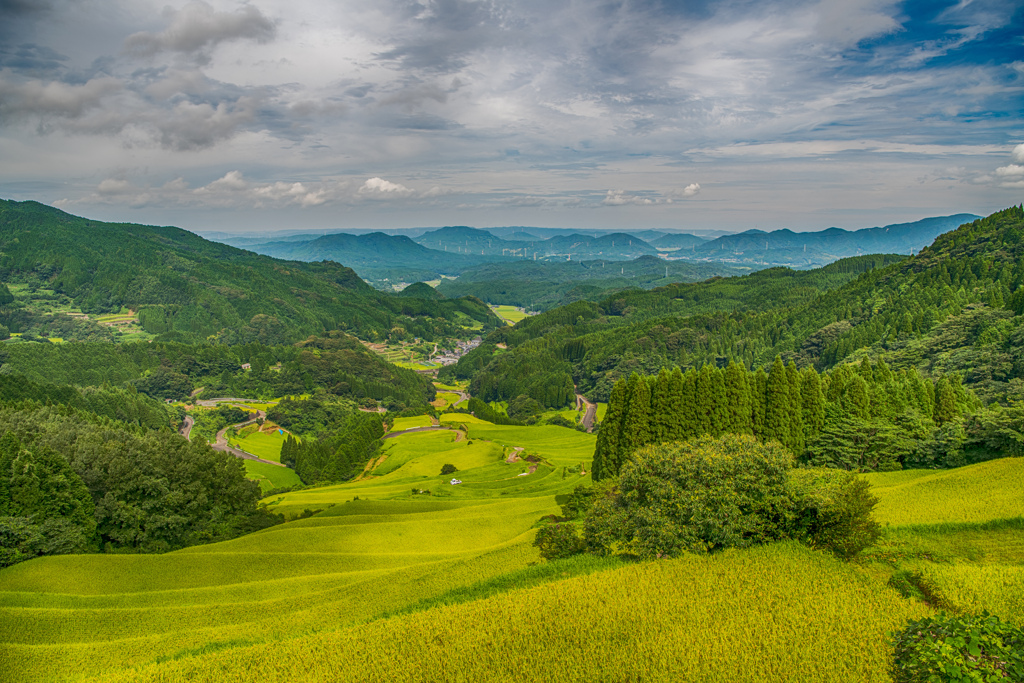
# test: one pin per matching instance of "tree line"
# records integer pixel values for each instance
(859, 417)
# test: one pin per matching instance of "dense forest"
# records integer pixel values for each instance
(185, 288)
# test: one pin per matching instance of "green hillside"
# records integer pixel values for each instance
(540, 286)
(186, 288)
(954, 306)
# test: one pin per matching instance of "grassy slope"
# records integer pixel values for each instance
(962, 530)
(321, 598)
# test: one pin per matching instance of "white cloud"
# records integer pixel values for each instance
(379, 186)
(1018, 154)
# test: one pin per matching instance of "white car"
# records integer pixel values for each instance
(456, 481)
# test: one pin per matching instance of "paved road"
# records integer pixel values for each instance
(588, 417)
(186, 427)
(212, 402)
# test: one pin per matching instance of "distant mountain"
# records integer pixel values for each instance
(380, 258)
(648, 235)
(617, 246)
(420, 290)
(678, 241)
(811, 249)
(461, 239)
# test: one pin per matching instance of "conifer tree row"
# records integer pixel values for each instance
(849, 418)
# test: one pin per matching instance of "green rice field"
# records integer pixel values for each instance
(406, 576)
(510, 314)
(263, 444)
(270, 476)
(403, 423)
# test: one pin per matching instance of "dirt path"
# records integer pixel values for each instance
(212, 402)
(186, 427)
(514, 455)
(223, 445)
(588, 417)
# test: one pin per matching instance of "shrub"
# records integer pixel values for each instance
(958, 648)
(832, 511)
(560, 421)
(559, 540)
(449, 468)
(695, 496)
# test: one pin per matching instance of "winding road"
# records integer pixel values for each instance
(588, 417)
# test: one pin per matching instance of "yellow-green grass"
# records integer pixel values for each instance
(270, 476)
(458, 386)
(769, 614)
(403, 423)
(510, 314)
(998, 589)
(570, 414)
(416, 365)
(444, 399)
(976, 493)
(602, 408)
(266, 445)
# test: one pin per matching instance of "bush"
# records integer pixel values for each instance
(559, 540)
(958, 648)
(832, 511)
(449, 469)
(696, 496)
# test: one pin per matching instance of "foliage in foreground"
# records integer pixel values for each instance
(979, 649)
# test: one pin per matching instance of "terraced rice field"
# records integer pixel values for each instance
(270, 476)
(404, 576)
(265, 443)
(962, 530)
(403, 423)
(978, 493)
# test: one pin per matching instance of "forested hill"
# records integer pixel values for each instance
(186, 288)
(542, 285)
(955, 306)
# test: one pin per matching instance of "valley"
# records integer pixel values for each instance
(449, 481)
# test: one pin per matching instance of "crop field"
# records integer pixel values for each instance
(270, 476)
(977, 493)
(510, 314)
(445, 399)
(828, 630)
(265, 444)
(405, 576)
(403, 423)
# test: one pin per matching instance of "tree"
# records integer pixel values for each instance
(606, 463)
(696, 496)
(777, 405)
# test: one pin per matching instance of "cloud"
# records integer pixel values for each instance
(620, 198)
(36, 98)
(1018, 154)
(379, 186)
(197, 126)
(197, 28)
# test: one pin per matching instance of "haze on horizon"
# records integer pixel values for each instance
(326, 115)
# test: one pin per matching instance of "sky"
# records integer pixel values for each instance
(218, 115)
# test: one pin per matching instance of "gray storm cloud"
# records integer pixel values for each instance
(197, 27)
